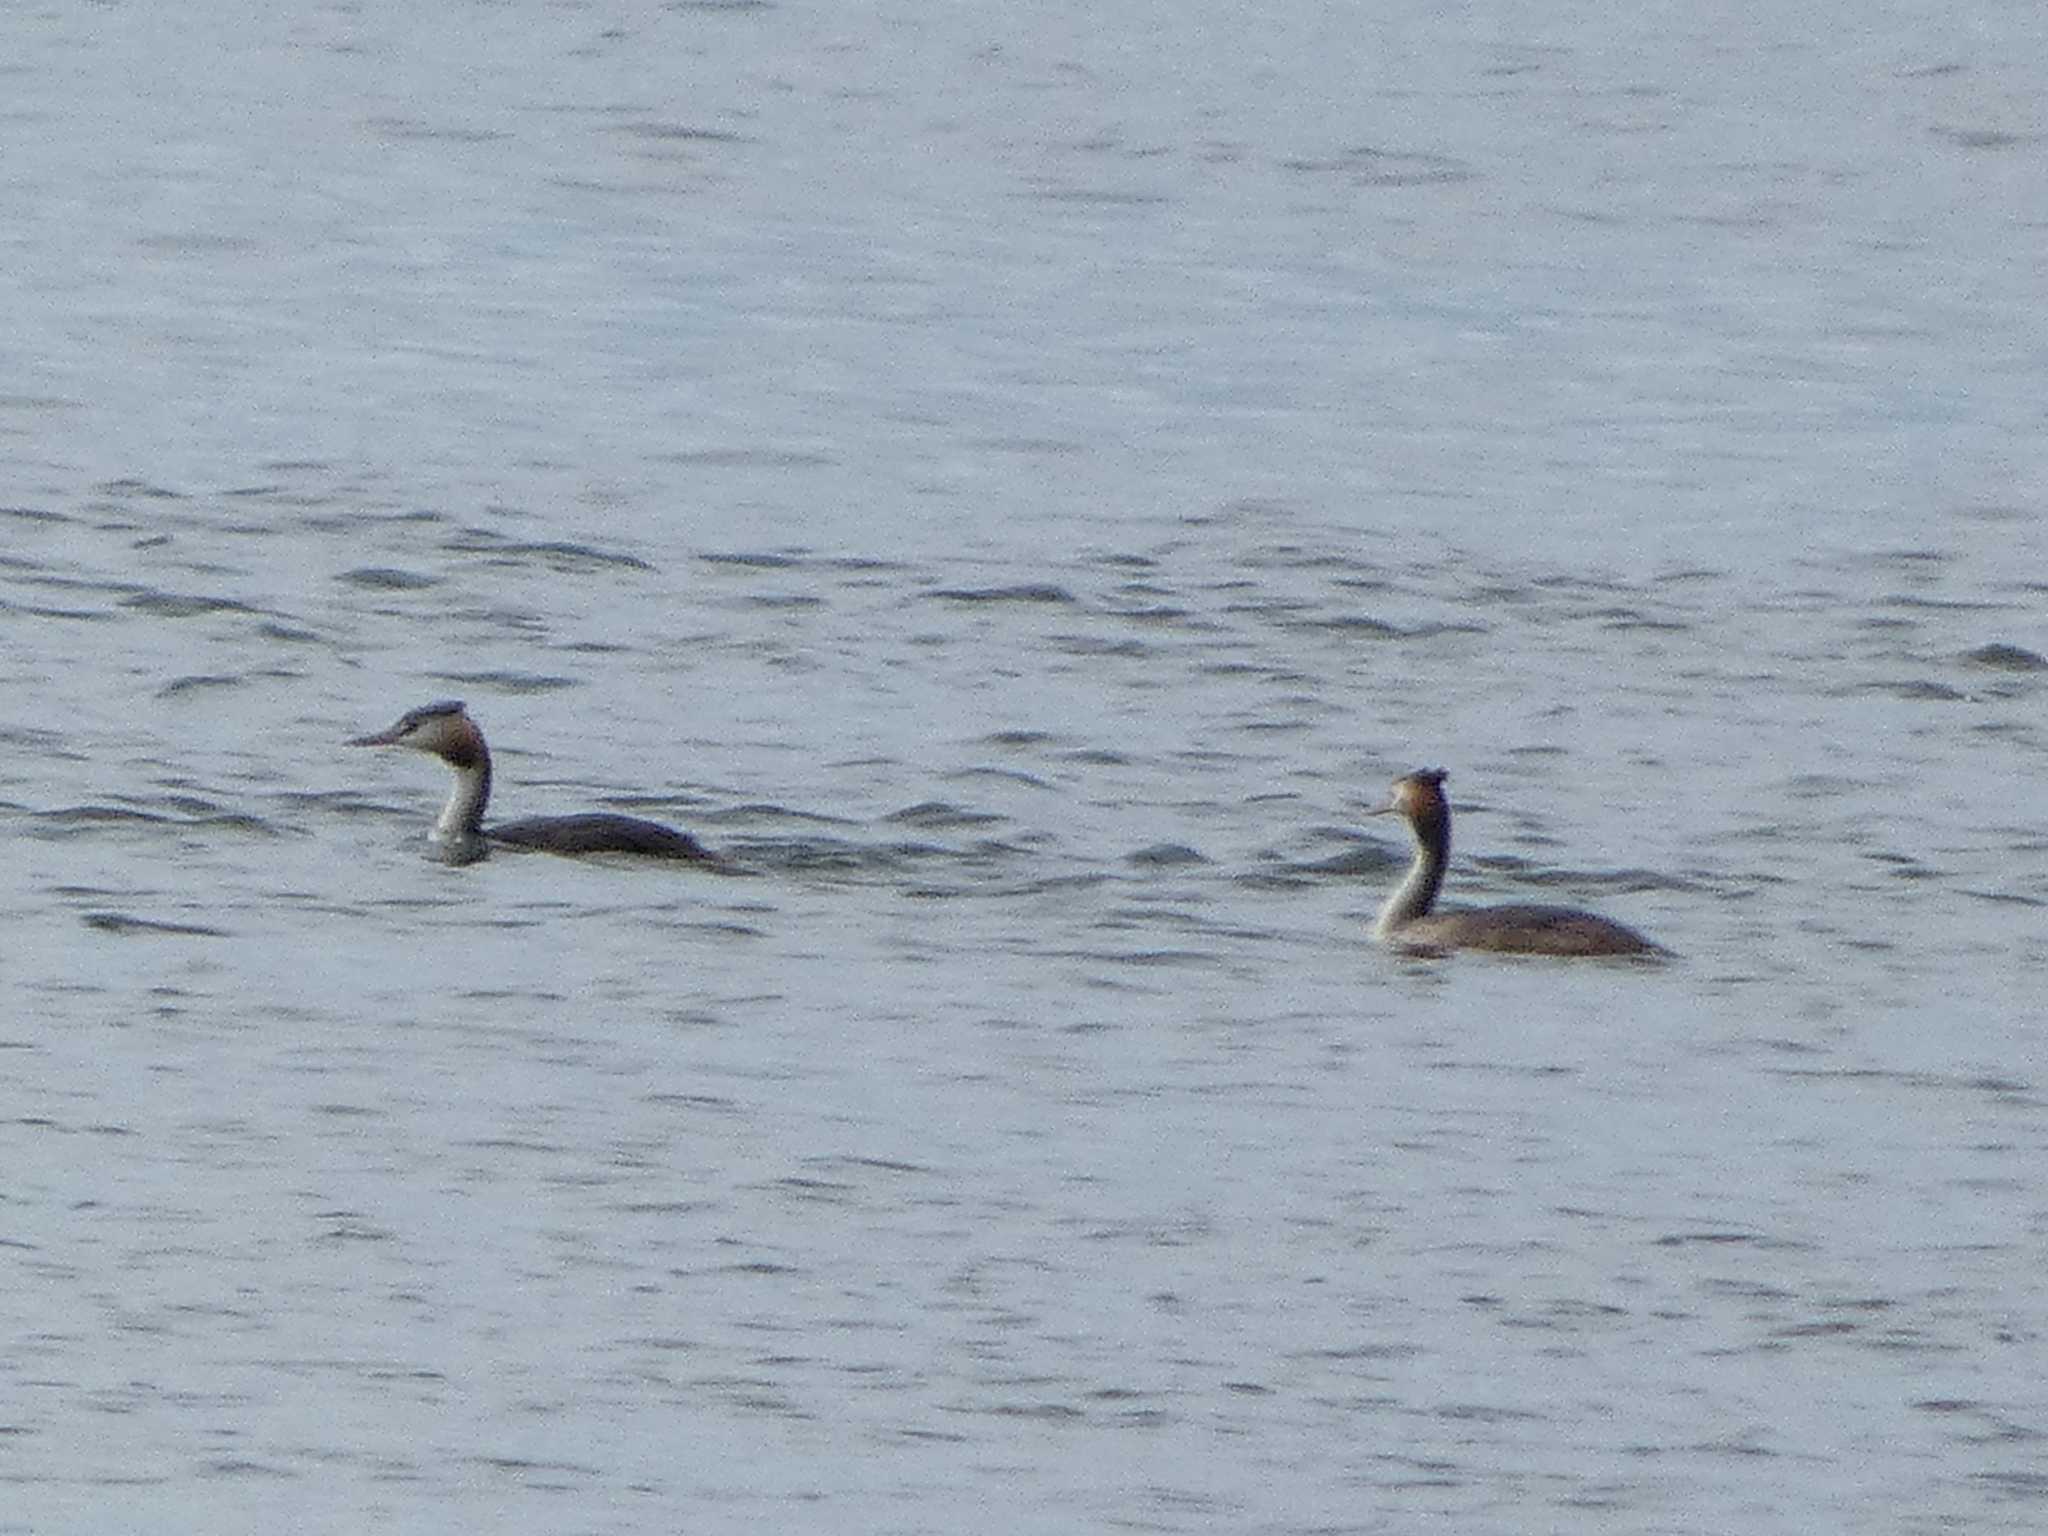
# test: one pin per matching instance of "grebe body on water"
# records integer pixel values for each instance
(1409, 919)
(460, 836)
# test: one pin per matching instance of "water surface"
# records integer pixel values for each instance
(1023, 483)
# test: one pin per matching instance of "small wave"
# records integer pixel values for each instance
(387, 578)
(749, 560)
(1090, 645)
(1015, 776)
(1352, 624)
(1165, 856)
(1155, 613)
(560, 554)
(1367, 166)
(123, 923)
(984, 890)
(127, 485)
(511, 682)
(940, 813)
(830, 856)
(76, 819)
(183, 605)
(1917, 690)
(195, 682)
(751, 458)
(767, 810)
(2007, 658)
(1025, 592)
(1364, 859)
(97, 815)
(678, 132)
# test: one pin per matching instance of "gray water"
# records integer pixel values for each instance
(1022, 481)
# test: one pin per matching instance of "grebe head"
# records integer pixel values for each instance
(446, 731)
(443, 729)
(1419, 796)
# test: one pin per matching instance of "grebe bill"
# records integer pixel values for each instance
(460, 836)
(1407, 921)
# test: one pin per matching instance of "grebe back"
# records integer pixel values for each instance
(1408, 921)
(446, 731)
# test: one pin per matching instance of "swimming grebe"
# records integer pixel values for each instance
(1407, 921)
(460, 836)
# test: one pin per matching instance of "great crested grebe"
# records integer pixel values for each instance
(460, 837)
(1408, 922)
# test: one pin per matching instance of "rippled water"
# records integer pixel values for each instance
(1022, 484)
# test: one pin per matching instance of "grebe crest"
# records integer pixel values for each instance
(1409, 920)
(446, 730)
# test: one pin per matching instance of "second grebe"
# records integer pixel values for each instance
(1408, 920)
(460, 837)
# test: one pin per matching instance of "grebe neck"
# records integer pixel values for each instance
(461, 827)
(1417, 892)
